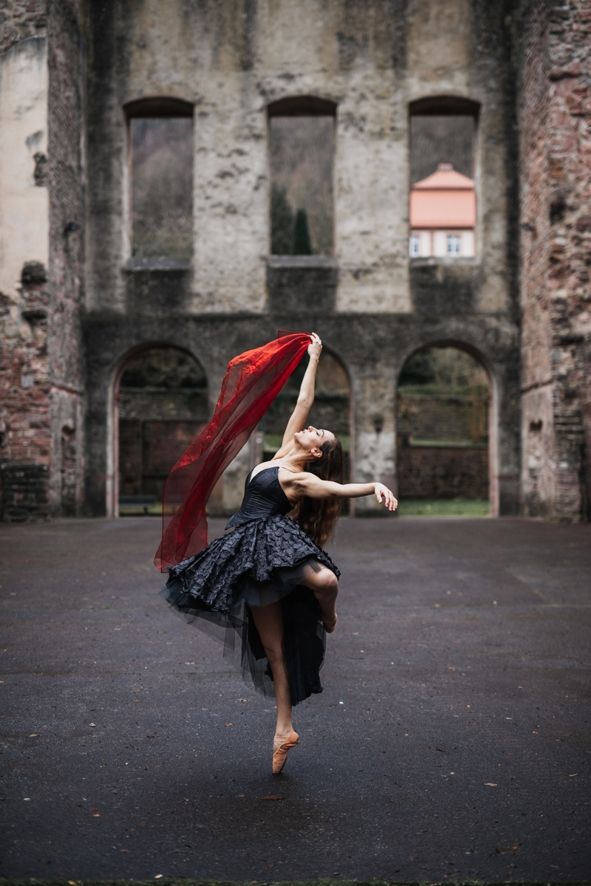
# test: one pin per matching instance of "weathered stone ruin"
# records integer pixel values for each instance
(91, 279)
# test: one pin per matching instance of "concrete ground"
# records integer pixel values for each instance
(452, 739)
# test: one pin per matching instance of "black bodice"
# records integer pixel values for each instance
(263, 497)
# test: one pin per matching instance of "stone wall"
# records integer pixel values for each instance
(74, 304)
(371, 305)
(66, 256)
(25, 437)
(442, 471)
(41, 227)
(460, 417)
(553, 52)
(20, 20)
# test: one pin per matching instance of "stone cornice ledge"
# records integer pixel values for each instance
(301, 261)
(156, 263)
(433, 261)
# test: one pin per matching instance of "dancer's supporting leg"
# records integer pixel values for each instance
(269, 623)
(325, 587)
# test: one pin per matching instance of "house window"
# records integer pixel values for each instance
(414, 246)
(301, 156)
(160, 139)
(443, 173)
(453, 244)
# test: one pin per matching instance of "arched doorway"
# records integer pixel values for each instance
(443, 438)
(332, 407)
(160, 404)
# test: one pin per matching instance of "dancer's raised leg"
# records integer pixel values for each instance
(325, 587)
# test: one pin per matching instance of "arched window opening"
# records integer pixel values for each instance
(301, 157)
(443, 433)
(443, 178)
(162, 405)
(160, 151)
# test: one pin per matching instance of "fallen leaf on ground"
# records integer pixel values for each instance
(512, 847)
(271, 797)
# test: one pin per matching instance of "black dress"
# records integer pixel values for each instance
(259, 560)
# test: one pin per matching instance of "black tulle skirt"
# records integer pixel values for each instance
(254, 564)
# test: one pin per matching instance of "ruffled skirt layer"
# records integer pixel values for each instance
(254, 564)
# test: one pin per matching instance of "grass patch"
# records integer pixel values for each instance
(408, 507)
(133, 510)
(447, 444)
(443, 507)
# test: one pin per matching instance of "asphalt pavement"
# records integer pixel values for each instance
(452, 739)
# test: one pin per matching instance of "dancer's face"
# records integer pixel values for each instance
(311, 438)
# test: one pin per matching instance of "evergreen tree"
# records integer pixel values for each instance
(420, 369)
(302, 244)
(282, 223)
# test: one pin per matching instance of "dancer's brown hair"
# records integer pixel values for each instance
(318, 517)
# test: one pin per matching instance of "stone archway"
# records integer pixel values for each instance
(160, 403)
(446, 432)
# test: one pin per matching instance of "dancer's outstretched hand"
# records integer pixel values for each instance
(384, 494)
(315, 347)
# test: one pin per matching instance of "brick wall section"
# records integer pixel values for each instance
(443, 417)
(25, 439)
(554, 109)
(21, 19)
(24, 388)
(41, 374)
(442, 472)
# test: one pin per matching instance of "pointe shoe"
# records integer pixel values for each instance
(280, 752)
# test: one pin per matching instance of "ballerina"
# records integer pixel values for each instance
(269, 575)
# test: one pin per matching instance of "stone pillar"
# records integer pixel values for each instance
(373, 455)
(504, 451)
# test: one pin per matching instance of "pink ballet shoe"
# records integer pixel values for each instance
(280, 752)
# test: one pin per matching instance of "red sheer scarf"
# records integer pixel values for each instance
(251, 383)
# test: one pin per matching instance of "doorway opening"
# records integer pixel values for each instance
(161, 403)
(443, 433)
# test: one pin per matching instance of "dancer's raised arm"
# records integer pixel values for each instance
(306, 396)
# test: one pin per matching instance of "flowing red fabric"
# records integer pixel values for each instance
(251, 383)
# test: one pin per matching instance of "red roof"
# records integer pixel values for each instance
(445, 199)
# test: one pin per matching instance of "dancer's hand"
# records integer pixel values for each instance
(315, 347)
(384, 494)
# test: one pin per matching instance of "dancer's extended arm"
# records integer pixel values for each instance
(305, 399)
(313, 487)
